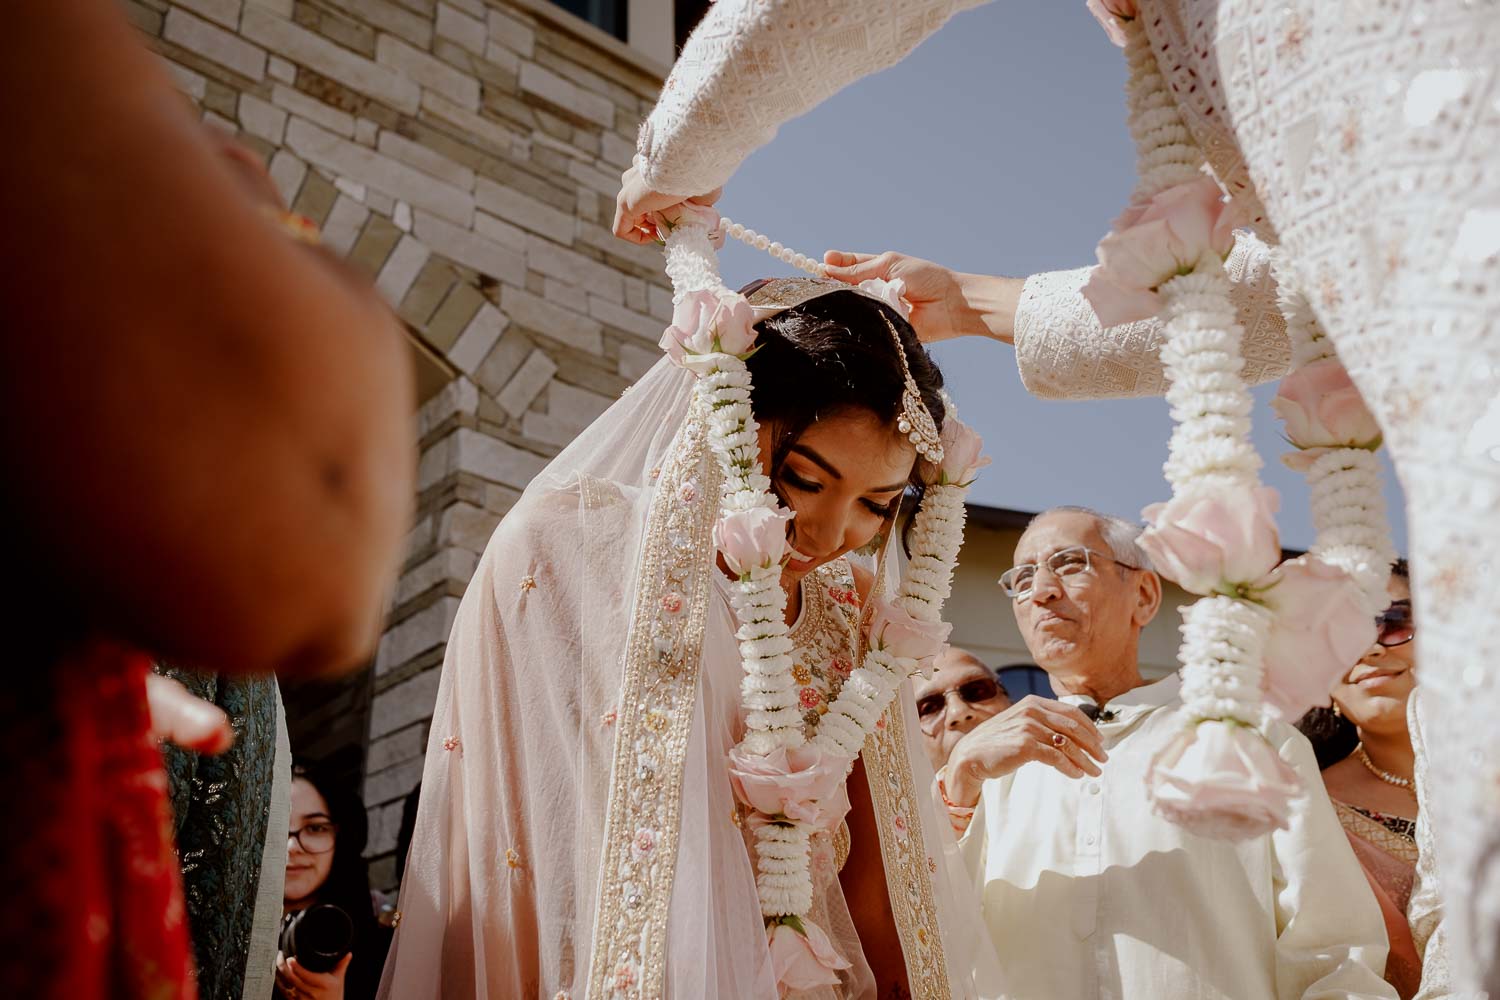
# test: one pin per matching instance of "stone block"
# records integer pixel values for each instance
(457, 397)
(465, 29)
(495, 371)
(492, 459)
(512, 33)
(324, 115)
(470, 249)
(568, 296)
(401, 269)
(453, 317)
(287, 173)
(547, 430)
(449, 566)
(282, 8)
(261, 118)
(647, 327)
(195, 85)
(603, 181)
(399, 747)
(426, 160)
(349, 33)
(402, 216)
(474, 128)
(501, 232)
(220, 97)
(405, 703)
(225, 12)
(635, 295)
(375, 244)
(506, 65)
(392, 785)
(278, 68)
(478, 338)
(546, 85)
(366, 131)
(553, 321)
(428, 291)
(516, 206)
(660, 301)
(421, 632)
(461, 89)
(527, 383)
(636, 360)
(344, 224)
(328, 59)
(390, 17)
(359, 163)
(146, 20)
(574, 268)
(316, 199)
(384, 827)
(214, 43)
(574, 406)
(467, 527)
(474, 8)
(214, 120)
(353, 189)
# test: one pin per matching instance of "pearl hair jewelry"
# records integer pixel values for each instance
(916, 420)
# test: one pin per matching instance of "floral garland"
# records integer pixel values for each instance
(795, 787)
(1263, 636)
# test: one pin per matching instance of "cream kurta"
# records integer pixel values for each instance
(1088, 894)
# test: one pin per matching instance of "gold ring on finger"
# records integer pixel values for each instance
(1059, 740)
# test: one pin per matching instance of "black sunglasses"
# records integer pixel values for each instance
(1394, 625)
(972, 692)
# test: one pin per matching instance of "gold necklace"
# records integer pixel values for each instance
(1385, 776)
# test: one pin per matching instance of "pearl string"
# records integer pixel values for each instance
(759, 241)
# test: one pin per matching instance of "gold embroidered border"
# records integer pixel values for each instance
(908, 876)
(654, 720)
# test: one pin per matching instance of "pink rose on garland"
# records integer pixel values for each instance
(891, 292)
(1214, 541)
(1170, 235)
(804, 961)
(753, 539)
(1321, 629)
(1109, 14)
(803, 784)
(1222, 780)
(706, 323)
(690, 213)
(961, 448)
(1321, 408)
(896, 632)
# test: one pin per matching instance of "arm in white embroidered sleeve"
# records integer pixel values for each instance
(1063, 352)
(752, 64)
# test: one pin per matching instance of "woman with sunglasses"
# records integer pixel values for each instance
(961, 693)
(1365, 751)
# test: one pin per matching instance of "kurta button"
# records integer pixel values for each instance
(1093, 788)
(1089, 840)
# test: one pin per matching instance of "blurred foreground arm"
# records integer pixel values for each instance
(208, 450)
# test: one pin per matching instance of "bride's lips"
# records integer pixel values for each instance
(1376, 678)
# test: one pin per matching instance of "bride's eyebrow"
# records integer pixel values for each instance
(828, 467)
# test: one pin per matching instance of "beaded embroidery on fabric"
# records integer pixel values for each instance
(651, 733)
(825, 639)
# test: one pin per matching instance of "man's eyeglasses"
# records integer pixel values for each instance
(1019, 581)
(980, 689)
(315, 838)
(1394, 625)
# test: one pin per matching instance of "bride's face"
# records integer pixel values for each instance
(844, 477)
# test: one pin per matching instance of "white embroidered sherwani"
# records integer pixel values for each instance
(1088, 894)
(1360, 136)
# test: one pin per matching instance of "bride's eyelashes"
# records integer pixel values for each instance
(884, 511)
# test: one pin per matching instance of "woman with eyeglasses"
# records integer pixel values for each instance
(961, 693)
(325, 866)
(1365, 751)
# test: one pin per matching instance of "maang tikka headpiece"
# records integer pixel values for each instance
(778, 295)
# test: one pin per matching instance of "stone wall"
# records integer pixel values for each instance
(464, 154)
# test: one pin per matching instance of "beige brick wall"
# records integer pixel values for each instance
(463, 154)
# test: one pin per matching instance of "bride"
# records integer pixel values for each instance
(578, 833)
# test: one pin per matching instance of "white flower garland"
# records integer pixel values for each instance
(769, 692)
(1349, 517)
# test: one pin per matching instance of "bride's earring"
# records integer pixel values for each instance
(1337, 713)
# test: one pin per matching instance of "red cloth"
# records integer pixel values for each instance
(93, 896)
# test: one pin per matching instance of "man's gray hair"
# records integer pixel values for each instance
(1121, 537)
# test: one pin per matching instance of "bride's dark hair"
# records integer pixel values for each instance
(830, 355)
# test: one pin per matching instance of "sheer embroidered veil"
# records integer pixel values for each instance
(574, 834)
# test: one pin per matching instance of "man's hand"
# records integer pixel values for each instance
(300, 984)
(636, 203)
(944, 304)
(1033, 729)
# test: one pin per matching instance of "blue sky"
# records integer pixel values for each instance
(998, 146)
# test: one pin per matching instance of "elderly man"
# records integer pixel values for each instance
(961, 693)
(1086, 892)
